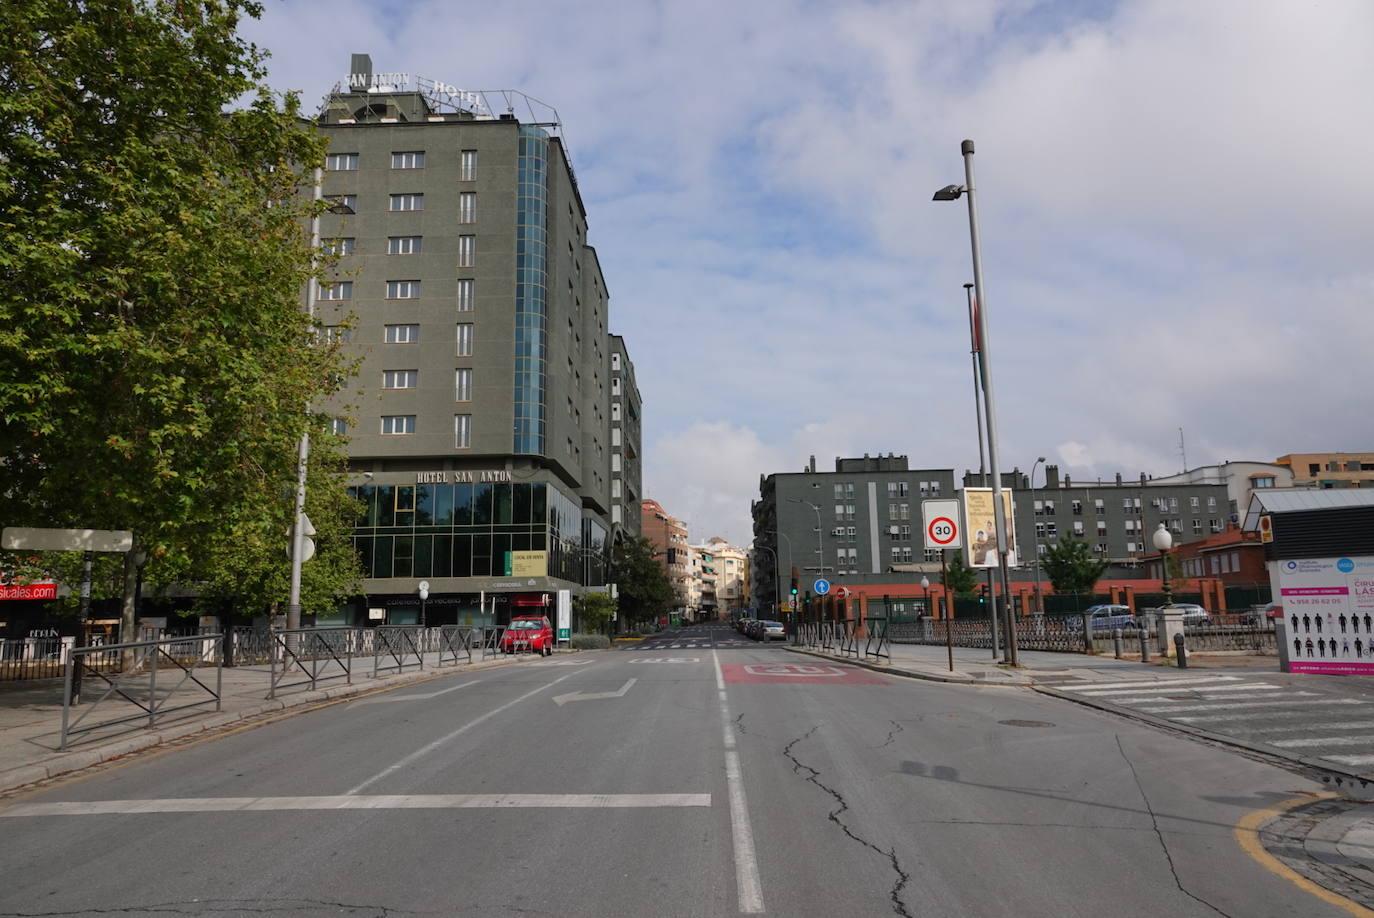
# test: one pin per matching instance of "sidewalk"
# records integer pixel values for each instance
(31, 713)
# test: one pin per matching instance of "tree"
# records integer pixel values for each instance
(594, 611)
(1072, 568)
(156, 361)
(959, 577)
(645, 592)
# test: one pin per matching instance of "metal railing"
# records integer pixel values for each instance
(455, 642)
(33, 658)
(491, 640)
(398, 644)
(130, 674)
(315, 654)
(878, 644)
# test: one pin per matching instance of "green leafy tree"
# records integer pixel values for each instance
(645, 592)
(594, 611)
(959, 577)
(1072, 568)
(156, 359)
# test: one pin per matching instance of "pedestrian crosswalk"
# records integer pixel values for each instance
(1287, 717)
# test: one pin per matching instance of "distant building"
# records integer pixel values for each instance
(669, 538)
(721, 572)
(627, 462)
(1241, 479)
(1330, 470)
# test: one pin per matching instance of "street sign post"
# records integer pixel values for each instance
(941, 523)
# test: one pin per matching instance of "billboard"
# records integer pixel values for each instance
(527, 564)
(980, 527)
(1328, 614)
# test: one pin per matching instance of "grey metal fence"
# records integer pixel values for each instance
(129, 674)
(34, 658)
(312, 656)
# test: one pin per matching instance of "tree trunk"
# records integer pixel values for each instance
(128, 593)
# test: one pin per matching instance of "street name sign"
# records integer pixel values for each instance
(941, 524)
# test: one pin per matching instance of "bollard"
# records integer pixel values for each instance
(1116, 642)
(1180, 651)
(1088, 635)
(1144, 647)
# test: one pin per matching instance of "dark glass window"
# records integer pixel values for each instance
(539, 503)
(405, 508)
(481, 505)
(381, 556)
(502, 495)
(500, 553)
(443, 505)
(424, 556)
(424, 504)
(462, 505)
(443, 556)
(521, 509)
(481, 556)
(386, 509)
(363, 545)
(462, 556)
(402, 562)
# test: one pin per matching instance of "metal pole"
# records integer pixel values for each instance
(949, 613)
(293, 602)
(977, 389)
(1035, 535)
(990, 405)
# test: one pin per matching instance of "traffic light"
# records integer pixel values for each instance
(794, 581)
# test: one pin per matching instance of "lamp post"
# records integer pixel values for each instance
(820, 548)
(792, 600)
(925, 585)
(952, 193)
(424, 594)
(1035, 534)
(1163, 542)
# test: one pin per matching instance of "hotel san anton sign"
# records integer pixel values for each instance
(461, 476)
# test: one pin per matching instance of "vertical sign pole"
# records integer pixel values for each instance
(949, 612)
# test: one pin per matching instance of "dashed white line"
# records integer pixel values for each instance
(369, 802)
(747, 884)
(1323, 741)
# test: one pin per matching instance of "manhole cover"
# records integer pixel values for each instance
(1025, 723)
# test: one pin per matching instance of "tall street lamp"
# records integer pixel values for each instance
(925, 585)
(792, 600)
(1035, 533)
(820, 548)
(952, 193)
(1163, 542)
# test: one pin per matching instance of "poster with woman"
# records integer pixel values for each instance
(980, 523)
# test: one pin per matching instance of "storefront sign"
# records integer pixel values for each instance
(1328, 611)
(460, 476)
(28, 591)
(527, 564)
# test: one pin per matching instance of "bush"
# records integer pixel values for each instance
(590, 642)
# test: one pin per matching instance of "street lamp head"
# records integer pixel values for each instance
(925, 583)
(1162, 539)
(949, 193)
(1041, 459)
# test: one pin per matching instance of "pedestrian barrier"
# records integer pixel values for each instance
(130, 674)
(33, 657)
(316, 654)
(847, 638)
(455, 642)
(400, 644)
(878, 645)
(491, 640)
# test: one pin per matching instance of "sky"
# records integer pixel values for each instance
(1176, 205)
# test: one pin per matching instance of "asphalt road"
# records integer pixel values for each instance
(714, 777)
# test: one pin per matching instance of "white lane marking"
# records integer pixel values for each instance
(667, 660)
(1323, 741)
(1147, 699)
(1338, 725)
(386, 698)
(1267, 715)
(1180, 709)
(747, 884)
(1140, 683)
(369, 802)
(561, 700)
(426, 749)
(1351, 759)
(1243, 686)
(566, 663)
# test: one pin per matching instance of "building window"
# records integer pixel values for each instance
(1049, 508)
(467, 251)
(1101, 527)
(1266, 481)
(891, 489)
(1039, 508)
(467, 292)
(403, 290)
(1039, 530)
(905, 534)
(1077, 507)
(467, 166)
(849, 532)
(400, 379)
(464, 339)
(1195, 503)
(935, 488)
(396, 424)
(335, 334)
(342, 245)
(407, 202)
(839, 491)
(462, 431)
(615, 385)
(1197, 527)
(338, 426)
(1098, 505)
(1052, 530)
(1211, 503)
(615, 436)
(462, 384)
(404, 245)
(1078, 528)
(904, 511)
(892, 511)
(467, 207)
(414, 160)
(336, 290)
(401, 334)
(341, 162)
(341, 201)
(839, 511)
(615, 462)
(1173, 505)
(849, 511)
(615, 362)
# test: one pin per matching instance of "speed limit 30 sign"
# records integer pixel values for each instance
(941, 519)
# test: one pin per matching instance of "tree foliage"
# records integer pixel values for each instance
(156, 360)
(645, 592)
(594, 611)
(1072, 568)
(959, 577)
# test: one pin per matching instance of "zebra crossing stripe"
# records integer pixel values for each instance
(1340, 725)
(1323, 741)
(1181, 709)
(1351, 759)
(1267, 715)
(1244, 686)
(1139, 683)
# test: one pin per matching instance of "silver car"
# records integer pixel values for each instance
(769, 631)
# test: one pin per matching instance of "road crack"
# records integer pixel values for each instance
(1154, 823)
(813, 776)
(896, 728)
(236, 906)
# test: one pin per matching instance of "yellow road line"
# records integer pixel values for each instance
(1247, 836)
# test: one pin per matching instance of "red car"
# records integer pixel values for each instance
(528, 634)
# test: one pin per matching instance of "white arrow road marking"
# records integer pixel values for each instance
(387, 697)
(370, 802)
(588, 696)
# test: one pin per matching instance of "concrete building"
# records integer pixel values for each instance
(1241, 479)
(627, 464)
(721, 574)
(669, 537)
(1330, 470)
(480, 418)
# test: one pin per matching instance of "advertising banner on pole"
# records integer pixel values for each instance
(980, 523)
(564, 615)
(1328, 611)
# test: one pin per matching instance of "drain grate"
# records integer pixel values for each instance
(1025, 723)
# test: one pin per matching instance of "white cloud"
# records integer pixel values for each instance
(1175, 202)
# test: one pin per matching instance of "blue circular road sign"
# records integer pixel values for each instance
(822, 587)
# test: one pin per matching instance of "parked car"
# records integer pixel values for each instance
(1193, 614)
(528, 634)
(770, 631)
(1107, 617)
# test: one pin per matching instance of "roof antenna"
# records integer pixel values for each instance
(1182, 450)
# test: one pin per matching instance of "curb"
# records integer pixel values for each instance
(955, 678)
(1348, 784)
(18, 779)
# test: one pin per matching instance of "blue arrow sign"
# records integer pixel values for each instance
(822, 587)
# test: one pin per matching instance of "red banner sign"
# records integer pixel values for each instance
(28, 591)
